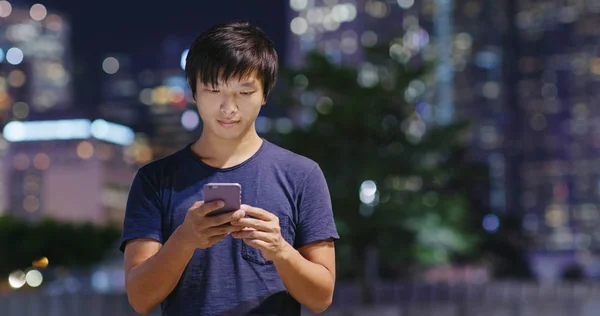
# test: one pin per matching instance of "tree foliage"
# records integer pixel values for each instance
(364, 129)
(73, 245)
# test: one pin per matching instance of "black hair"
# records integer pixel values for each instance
(235, 49)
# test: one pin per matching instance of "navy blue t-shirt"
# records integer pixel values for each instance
(231, 278)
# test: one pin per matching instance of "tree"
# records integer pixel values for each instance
(65, 244)
(397, 184)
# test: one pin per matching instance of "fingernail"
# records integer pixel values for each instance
(220, 203)
(244, 207)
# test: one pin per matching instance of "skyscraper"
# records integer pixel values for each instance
(34, 62)
(481, 91)
(34, 71)
(558, 75)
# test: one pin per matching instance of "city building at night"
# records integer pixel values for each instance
(73, 170)
(35, 62)
(556, 91)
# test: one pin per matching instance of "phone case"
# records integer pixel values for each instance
(230, 193)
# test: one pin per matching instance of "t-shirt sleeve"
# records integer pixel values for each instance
(143, 212)
(315, 214)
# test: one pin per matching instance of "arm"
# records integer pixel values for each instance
(142, 244)
(152, 270)
(309, 274)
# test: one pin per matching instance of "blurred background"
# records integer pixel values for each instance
(458, 137)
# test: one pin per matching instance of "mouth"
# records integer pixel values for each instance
(227, 123)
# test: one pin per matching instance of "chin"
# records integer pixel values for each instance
(228, 133)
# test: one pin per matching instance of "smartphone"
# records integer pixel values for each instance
(230, 193)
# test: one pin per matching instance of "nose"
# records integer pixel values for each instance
(228, 106)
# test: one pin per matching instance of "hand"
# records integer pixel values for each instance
(262, 232)
(201, 231)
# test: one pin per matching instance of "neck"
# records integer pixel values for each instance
(220, 152)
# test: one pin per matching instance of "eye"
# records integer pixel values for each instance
(212, 90)
(246, 93)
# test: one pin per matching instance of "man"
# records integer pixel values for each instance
(269, 257)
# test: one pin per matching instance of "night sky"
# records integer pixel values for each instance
(138, 27)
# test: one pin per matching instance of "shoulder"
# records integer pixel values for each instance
(289, 160)
(159, 168)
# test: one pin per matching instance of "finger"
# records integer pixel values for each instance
(209, 207)
(257, 212)
(221, 230)
(253, 234)
(214, 239)
(196, 205)
(224, 218)
(253, 223)
(256, 243)
(245, 229)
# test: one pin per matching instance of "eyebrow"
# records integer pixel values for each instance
(247, 84)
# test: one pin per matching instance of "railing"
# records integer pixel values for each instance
(397, 299)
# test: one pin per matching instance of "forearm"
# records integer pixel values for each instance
(311, 284)
(150, 282)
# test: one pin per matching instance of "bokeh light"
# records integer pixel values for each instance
(190, 120)
(38, 12)
(406, 4)
(21, 161)
(298, 5)
(110, 65)
(16, 78)
(299, 26)
(31, 203)
(5, 9)
(491, 223)
(34, 278)
(183, 58)
(14, 55)
(368, 190)
(368, 39)
(41, 263)
(17, 279)
(54, 22)
(20, 110)
(85, 150)
(41, 161)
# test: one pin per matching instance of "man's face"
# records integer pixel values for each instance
(229, 110)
